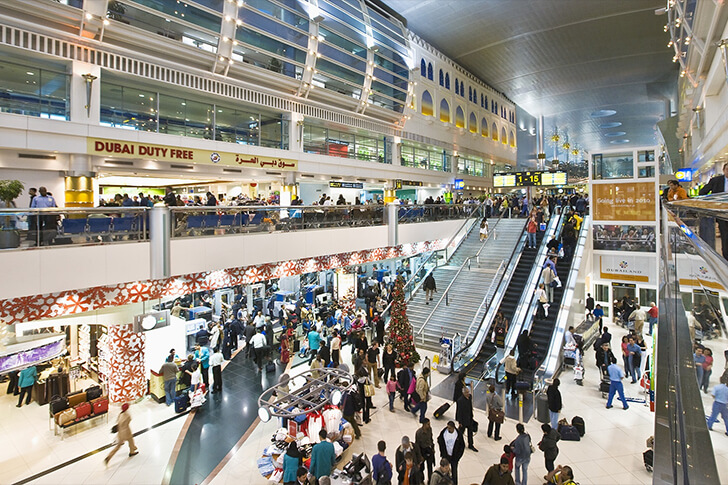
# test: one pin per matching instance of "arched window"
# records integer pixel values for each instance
(423, 68)
(442, 78)
(485, 104)
(494, 132)
(444, 111)
(473, 123)
(462, 89)
(457, 86)
(459, 117)
(484, 127)
(447, 80)
(429, 71)
(427, 108)
(492, 106)
(470, 93)
(504, 137)
(496, 108)
(475, 96)
(512, 140)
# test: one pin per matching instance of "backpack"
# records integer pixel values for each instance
(381, 472)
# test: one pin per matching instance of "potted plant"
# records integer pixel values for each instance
(9, 191)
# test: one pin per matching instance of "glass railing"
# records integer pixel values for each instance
(435, 212)
(683, 450)
(27, 228)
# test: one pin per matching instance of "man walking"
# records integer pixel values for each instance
(425, 446)
(464, 416)
(323, 457)
(615, 385)
(373, 362)
(589, 305)
(381, 468)
(202, 356)
(498, 474)
(422, 388)
(123, 430)
(430, 287)
(259, 342)
(452, 447)
(169, 374)
(512, 371)
(720, 404)
(521, 448)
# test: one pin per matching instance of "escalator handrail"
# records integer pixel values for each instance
(502, 285)
(552, 360)
(447, 290)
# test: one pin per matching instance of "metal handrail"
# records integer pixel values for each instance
(485, 298)
(447, 244)
(71, 210)
(509, 266)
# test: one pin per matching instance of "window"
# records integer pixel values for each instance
(470, 94)
(423, 68)
(492, 106)
(473, 123)
(447, 80)
(462, 89)
(427, 109)
(484, 127)
(475, 96)
(30, 91)
(457, 86)
(178, 116)
(485, 102)
(504, 137)
(459, 117)
(613, 166)
(442, 78)
(128, 107)
(444, 111)
(512, 140)
(429, 71)
(601, 293)
(494, 132)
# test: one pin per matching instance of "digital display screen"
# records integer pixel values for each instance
(529, 179)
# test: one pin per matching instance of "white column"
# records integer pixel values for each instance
(295, 131)
(395, 151)
(85, 93)
(160, 224)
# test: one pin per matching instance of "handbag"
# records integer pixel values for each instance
(475, 427)
(115, 428)
(497, 416)
(368, 390)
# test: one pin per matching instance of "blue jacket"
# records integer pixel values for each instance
(380, 463)
(323, 459)
(290, 467)
(27, 376)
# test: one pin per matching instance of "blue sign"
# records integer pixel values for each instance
(459, 184)
(684, 175)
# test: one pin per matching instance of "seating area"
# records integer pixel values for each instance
(78, 407)
(108, 228)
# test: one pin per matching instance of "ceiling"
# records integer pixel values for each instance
(562, 59)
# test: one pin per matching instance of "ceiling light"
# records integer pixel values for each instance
(106, 22)
(612, 124)
(619, 142)
(228, 18)
(603, 113)
(264, 414)
(616, 133)
(89, 16)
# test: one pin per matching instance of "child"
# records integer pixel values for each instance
(483, 230)
(391, 391)
(508, 453)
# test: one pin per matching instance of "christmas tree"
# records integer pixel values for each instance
(400, 330)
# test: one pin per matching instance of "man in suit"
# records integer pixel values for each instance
(718, 184)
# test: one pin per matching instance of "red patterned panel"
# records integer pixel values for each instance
(126, 364)
(37, 307)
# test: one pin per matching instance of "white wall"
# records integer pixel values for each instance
(51, 180)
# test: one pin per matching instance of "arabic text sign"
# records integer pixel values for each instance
(127, 149)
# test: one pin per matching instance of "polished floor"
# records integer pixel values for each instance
(610, 453)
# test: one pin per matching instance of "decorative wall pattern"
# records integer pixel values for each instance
(84, 342)
(50, 305)
(127, 380)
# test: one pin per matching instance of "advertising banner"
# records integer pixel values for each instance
(624, 267)
(624, 201)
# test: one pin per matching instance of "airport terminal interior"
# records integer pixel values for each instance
(364, 242)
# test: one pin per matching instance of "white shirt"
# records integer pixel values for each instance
(259, 321)
(570, 339)
(196, 377)
(216, 359)
(541, 295)
(450, 439)
(258, 341)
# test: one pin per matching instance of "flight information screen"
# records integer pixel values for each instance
(529, 179)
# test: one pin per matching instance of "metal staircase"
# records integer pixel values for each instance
(462, 285)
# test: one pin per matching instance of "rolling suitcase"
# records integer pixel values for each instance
(647, 457)
(441, 410)
(296, 345)
(578, 423)
(604, 387)
(181, 402)
(270, 367)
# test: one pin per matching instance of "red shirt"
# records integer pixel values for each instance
(510, 460)
(652, 312)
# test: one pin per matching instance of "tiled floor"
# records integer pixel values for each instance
(611, 451)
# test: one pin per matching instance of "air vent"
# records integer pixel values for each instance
(382, 181)
(182, 167)
(125, 163)
(36, 156)
(307, 175)
(361, 180)
(232, 170)
(273, 173)
(335, 178)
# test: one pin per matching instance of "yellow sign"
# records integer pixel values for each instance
(130, 149)
(624, 201)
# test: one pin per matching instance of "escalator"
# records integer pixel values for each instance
(509, 303)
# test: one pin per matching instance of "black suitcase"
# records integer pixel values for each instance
(647, 456)
(578, 423)
(58, 404)
(441, 410)
(604, 386)
(270, 367)
(569, 433)
(523, 386)
(569, 361)
(94, 392)
(296, 345)
(181, 403)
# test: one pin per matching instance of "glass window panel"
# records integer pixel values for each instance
(386, 103)
(162, 25)
(314, 139)
(646, 172)
(19, 89)
(398, 69)
(235, 126)
(356, 23)
(274, 28)
(128, 107)
(54, 94)
(260, 59)
(211, 4)
(294, 5)
(390, 91)
(369, 149)
(345, 44)
(388, 77)
(613, 165)
(275, 10)
(183, 11)
(271, 132)
(386, 26)
(330, 52)
(178, 116)
(334, 69)
(646, 156)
